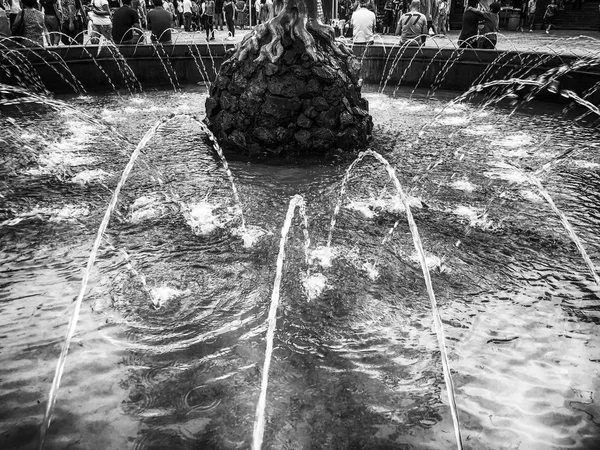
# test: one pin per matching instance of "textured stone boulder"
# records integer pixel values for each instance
(294, 104)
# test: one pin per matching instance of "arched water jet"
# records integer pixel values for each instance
(426, 275)
(259, 424)
(566, 224)
(86, 275)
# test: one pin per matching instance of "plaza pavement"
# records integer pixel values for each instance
(564, 42)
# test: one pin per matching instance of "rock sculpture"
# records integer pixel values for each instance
(289, 89)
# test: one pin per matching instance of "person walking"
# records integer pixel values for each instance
(549, 15)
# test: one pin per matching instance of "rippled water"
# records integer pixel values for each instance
(170, 342)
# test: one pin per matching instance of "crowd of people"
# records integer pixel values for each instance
(361, 26)
(416, 21)
(50, 22)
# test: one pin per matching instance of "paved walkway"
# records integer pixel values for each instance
(564, 42)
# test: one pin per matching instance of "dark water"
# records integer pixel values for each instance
(356, 368)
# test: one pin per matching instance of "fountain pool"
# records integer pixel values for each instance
(169, 346)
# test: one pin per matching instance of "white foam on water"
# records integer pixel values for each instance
(147, 207)
(376, 103)
(480, 130)
(64, 214)
(89, 176)
(201, 219)
(322, 256)
(250, 235)
(507, 173)
(432, 262)
(454, 109)
(67, 152)
(513, 141)
(521, 152)
(70, 212)
(314, 285)
(371, 270)
(363, 207)
(584, 164)
(392, 205)
(476, 217)
(453, 120)
(532, 196)
(463, 185)
(161, 295)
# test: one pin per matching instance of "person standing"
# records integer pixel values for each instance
(101, 23)
(187, 15)
(31, 21)
(549, 15)
(489, 32)
(388, 20)
(442, 8)
(159, 23)
(71, 25)
(412, 26)
(240, 13)
(363, 24)
(209, 16)
(470, 26)
(51, 20)
(429, 9)
(219, 14)
(531, 6)
(229, 11)
(126, 25)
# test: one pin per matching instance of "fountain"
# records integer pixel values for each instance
(203, 316)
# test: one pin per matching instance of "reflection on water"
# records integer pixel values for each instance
(169, 346)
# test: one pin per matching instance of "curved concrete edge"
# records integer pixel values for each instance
(101, 68)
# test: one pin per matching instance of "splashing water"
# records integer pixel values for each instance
(314, 285)
(322, 255)
(161, 295)
(371, 269)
